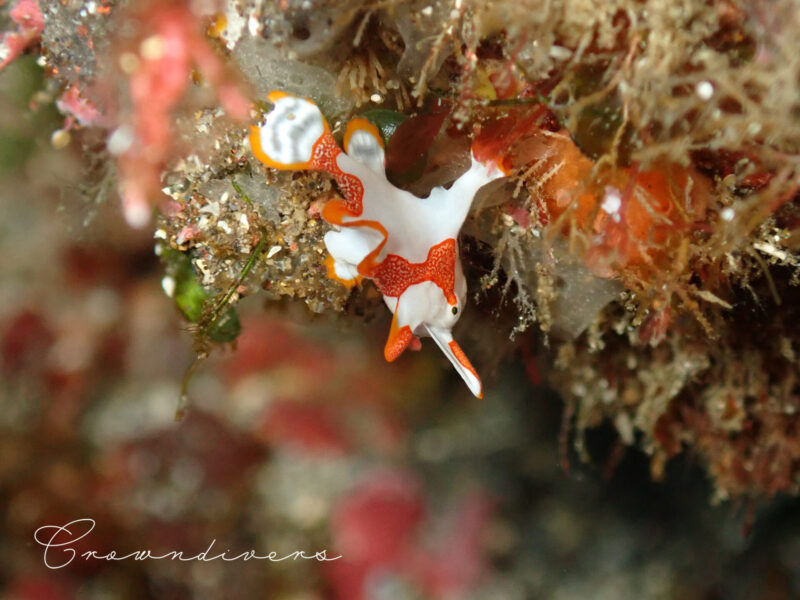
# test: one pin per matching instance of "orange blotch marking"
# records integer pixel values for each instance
(361, 124)
(399, 339)
(323, 158)
(462, 358)
(335, 211)
(395, 274)
(276, 95)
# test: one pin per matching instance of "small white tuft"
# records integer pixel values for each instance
(168, 284)
(612, 202)
(120, 140)
(135, 208)
(704, 90)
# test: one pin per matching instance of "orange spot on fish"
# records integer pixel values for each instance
(361, 124)
(462, 358)
(399, 339)
(395, 274)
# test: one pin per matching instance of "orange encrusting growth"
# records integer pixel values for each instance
(658, 205)
(217, 26)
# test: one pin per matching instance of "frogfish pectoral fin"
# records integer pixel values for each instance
(399, 339)
(444, 339)
(344, 273)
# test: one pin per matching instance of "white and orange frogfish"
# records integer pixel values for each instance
(405, 244)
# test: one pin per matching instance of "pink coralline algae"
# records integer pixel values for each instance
(30, 24)
(169, 46)
(78, 109)
(378, 527)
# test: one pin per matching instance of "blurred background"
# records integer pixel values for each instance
(301, 437)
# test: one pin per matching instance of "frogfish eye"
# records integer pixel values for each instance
(454, 310)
